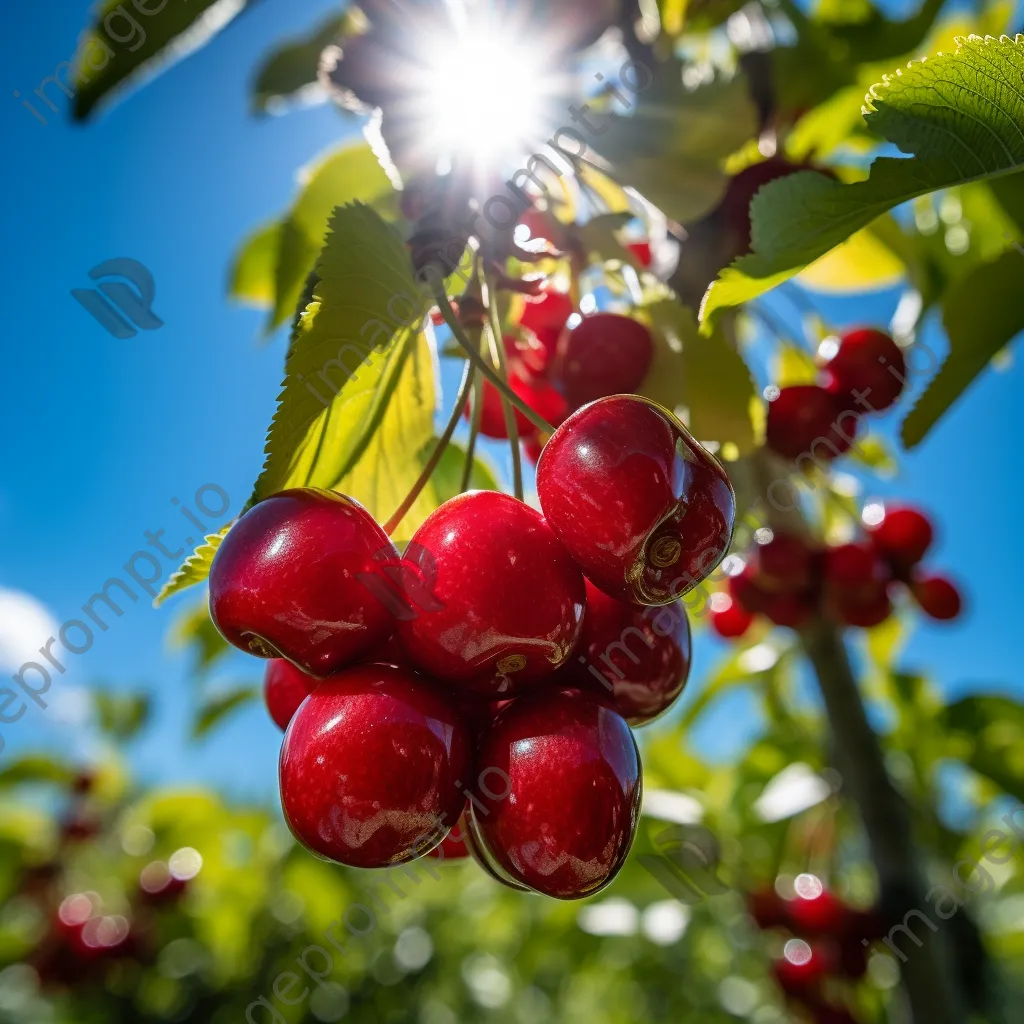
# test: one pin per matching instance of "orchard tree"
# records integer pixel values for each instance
(580, 205)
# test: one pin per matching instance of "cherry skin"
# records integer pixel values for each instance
(767, 908)
(938, 597)
(746, 590)
(641, 657)
(372, 765)
(790, 610)
(288, 581)
(642, 252)
(547, 315)
(864, 608)
(808, 420)
(903, 537)
(853, 567)
(729, 619)
(541, 397)
(285, 687)
(509, 598)
(455, 845)
(823, 915)
(799, 977)
(869, 363)
(605, 354)
(563, 822)
(784, 564)
(641, 506)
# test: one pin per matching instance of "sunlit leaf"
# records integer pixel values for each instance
(216, 708)
(121, 715)
(251, 279)
(195, 568)
(860, 264)
(990, 736)
(194, 630)
(36, 768)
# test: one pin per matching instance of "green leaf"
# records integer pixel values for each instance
(347, 356)
(121, 715)
(671, 147)
(703, 375)
(290, 72)
(959, 115)
(982, 313)
(987, 733)
(252, 275)
(219, 706)
(195, 568)
(346, 175)
(36, 768)
(194, 630)
(126, 46)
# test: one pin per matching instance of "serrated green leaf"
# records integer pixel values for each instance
(959, 115)
(671, 147)
(990, 729)
(121, 715)
(290, 72)
(195, 568)
(251, 279)
(982, 313)
(125, 46)
(217, 707)
(705, 376)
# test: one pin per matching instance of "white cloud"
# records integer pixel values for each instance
(25, 625)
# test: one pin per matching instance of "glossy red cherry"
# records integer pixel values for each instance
(802, 968)
(562, 797)
(528, 357)
(511, 599)
(547, 314)
(288, 581)
(605, 354)
(808, 420)
(541, 397)
(937, 596)
(902, 537)
(729, 619)
(372, 765)
(820, 912)
(784, 563)
(285, 687)
(455, 845)
(640, 656)
(853, 567)
(640, 505)
(869, 363)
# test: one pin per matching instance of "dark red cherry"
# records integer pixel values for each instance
(729, 619)
(937, 596)
(528, 357)
(640, 656)
(372, 766)
(854, 567)
(547, 315)
(734, 211)
(158, 887)
(285, 687)
(642, 252)
(835, 1014)
(290, 580)
(784, 563)
(864, 608)
(640, 505)
(509, 599)
(807, 420)
(746, 590)
(605, 354)
(767, 908)
(902, 537)
(791, 610)
(541, 397)
(822, 914)
(802, 968)
(559, 807)
(867, 362)
(455, 845)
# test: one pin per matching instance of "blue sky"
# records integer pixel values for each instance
(101, 434)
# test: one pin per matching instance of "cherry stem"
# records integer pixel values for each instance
(475, 419)
(480, 363)
(498, 356)
(435, 456)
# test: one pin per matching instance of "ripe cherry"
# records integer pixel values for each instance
(641, 657)
(734, 211)
(802, 968)
(869, 363)
(784, 563)
(528, 356)
(937, 596)
(509, 599)
(864, 608)
(746, 590)
(455, 845)
(546, 316)
(285, 687)
(541, 397)
(791, 610)
(853, 567)
(902, 537)
(605, 354)
(288, 581)
(729, 619)
(818, 912)
(560, 806)
(641, 506)
(642, 252)
(768, 909)
(372, 766)
(808, 420)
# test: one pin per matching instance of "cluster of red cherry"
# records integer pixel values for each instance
(506, 683)
(789, 581)
(827, 944)
(866, 373)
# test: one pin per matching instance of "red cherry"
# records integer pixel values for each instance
(821, 915)
(735, 206)
(532, 447)
(289, 580)
(509, 599)
(807, 420)
(605, 354)
(562, 796)
(540, 397)
(372, 765)
(729, 619)
(801, 969)
(768, 909)
(455, 845)
(854, 567)
(937, 596)
(641, 506)
(639, 656)
(547, 314)
(528, 356)
(285, 687)
(784, 564)
(791, 610)
(642, 252)
(865, 609)
(746, 590)
(902, 537)
(867, 361)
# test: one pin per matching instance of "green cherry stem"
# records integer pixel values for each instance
(475, 419)
(498, 356)
(480, 363)
(435, 456)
